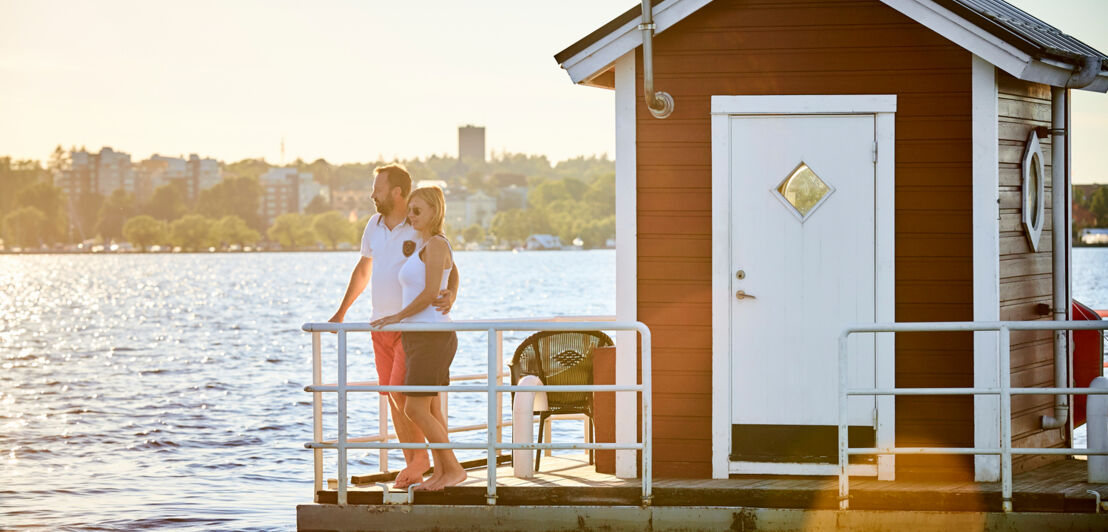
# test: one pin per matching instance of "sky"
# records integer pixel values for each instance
(347, 81)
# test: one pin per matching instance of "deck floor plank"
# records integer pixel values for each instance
(566, 479)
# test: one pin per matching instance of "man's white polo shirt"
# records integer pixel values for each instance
(386, 248)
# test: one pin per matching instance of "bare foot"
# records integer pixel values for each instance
(431, 484)
(438, 481)
(407, 477)
(453, 478)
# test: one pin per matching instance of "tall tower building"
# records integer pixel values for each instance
(471, 143)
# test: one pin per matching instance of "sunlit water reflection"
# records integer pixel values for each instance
(166, 391)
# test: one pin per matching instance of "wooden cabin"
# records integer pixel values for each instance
(830, 162)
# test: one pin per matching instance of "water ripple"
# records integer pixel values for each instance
(166, 391)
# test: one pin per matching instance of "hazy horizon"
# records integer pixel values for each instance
(343, 81)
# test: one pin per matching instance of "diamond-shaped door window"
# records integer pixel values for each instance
(802, 191)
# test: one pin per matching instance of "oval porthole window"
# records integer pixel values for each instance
(1032, 191)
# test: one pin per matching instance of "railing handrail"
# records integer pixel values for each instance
(1005, 392)
(476, 326)
(494, 389)
(470, 377)
(464, 428)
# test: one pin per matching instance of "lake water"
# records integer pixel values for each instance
(166, 391)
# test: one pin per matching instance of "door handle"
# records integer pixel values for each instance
(740, 295)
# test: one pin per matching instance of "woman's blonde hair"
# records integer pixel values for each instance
(435, 199)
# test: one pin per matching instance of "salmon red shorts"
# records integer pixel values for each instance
(388, 353)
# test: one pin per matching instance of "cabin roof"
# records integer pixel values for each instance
(1036, 51)
(1023, 31)
(628, 16)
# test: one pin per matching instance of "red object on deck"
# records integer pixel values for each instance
(1088, 357)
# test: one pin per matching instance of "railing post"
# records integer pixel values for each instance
(317, 415)
(1006, 417)
(499, 381)
(444, 403)
(342, 418)
(844, 458)
(493, 380)
(647, 415)
(384, 406)
(1097, 425)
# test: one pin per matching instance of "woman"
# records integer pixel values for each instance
(429, 354)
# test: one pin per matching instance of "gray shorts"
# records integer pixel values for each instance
(429, 356)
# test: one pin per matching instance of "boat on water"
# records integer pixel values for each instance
(542, 242)
(885, 165)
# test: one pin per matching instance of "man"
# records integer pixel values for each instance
(387, 243)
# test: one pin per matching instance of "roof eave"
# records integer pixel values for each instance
(1056, 74)
(590, 57)
(1022, 62)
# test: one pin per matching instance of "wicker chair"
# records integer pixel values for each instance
(559, 358)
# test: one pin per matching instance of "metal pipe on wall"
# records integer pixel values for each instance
(660, 103)
(1058, 182)
(1069, 252)
(1082, 76)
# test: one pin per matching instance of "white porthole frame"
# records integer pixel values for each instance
(1032, 215)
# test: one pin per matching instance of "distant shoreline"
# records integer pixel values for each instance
(173, 252)
(108, 253)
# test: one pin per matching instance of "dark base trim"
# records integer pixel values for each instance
(804, 444)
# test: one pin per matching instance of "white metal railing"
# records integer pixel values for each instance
(1005, 391)
(494, 389)
(383, 408)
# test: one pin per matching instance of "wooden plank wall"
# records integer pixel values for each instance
(1025, 276)
(807, 47)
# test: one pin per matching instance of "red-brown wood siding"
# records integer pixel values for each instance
(807, 47)
(1025, 276)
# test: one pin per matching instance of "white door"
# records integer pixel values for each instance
(802, 267)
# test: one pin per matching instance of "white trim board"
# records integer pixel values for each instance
(883, 108)
(721, 284)
(837, 104)
(986, 264)
(600, 55)
(626, 263)
(597, 57)
(885, 278)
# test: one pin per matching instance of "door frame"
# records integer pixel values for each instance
(883, 109)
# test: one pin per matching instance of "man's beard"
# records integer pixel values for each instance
(383, 207)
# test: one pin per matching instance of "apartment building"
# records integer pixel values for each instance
(97, 173)
(285, 190)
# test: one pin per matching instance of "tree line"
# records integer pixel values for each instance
(195, 232)
(568, 208)
(572, 199)
(1094, 199)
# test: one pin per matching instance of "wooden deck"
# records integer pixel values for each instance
(569, 480)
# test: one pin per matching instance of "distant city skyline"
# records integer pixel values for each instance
(343, 81)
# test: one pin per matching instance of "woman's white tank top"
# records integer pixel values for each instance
(413, 278)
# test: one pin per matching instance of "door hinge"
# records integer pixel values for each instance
(875, 151)
(875, 418)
